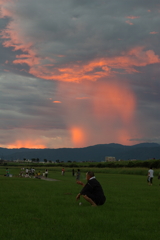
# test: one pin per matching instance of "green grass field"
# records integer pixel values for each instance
(44, 210)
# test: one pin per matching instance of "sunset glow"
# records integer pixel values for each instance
(43, 67)
(128, 22)
(75, 73)
(56, 101)
(114, 101)
(153, 32)
(26, 144)
(78, 136)
(132, 17)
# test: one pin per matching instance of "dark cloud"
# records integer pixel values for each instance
(28, 102)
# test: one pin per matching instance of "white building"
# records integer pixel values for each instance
(110, 159)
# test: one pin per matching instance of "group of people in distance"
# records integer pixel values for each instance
(32, 173)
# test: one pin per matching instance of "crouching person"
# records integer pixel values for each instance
(92, 191)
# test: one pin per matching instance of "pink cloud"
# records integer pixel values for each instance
(132, 17)
(56, 101)
(78, 136)
(106, 116)
(153, 32)
(128, 22)
(110, 99)
(44, 66)
(78, 72)
(81, 98)
(5, 11)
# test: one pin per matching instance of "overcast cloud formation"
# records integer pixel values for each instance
(77, 73)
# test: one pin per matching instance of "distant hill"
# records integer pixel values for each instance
(96, 153)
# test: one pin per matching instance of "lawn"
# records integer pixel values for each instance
(44, 210)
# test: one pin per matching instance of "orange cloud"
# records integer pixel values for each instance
(45, 67)
(128, 22)
(88, 71)
(114, 101)
(5, 12)
(78, 136)
(123, 136)
(26, 144)
(106, 116)
(56, 101)
(132, 17)
(153, 32)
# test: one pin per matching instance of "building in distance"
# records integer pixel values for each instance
(110, 159)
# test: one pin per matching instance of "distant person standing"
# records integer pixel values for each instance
(159, 177)
(73, 172)
(150, 173)
(46, 173)
(7, 172)
(27, 171)
(63, 171)
(78, 174)
(148, 177)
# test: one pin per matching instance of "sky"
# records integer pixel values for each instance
(76, 73)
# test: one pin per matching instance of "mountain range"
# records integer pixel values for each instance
(97, 153)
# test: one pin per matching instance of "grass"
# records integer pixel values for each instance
(37, 209)
(52, 170)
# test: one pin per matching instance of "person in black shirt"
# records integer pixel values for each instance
(92, 191)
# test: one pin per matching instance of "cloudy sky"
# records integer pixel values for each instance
(76, 73)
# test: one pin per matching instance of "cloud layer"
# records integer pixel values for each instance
(78, 73)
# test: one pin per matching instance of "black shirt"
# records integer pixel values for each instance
(93, 190)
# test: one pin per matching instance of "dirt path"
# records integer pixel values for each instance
(49, 179)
